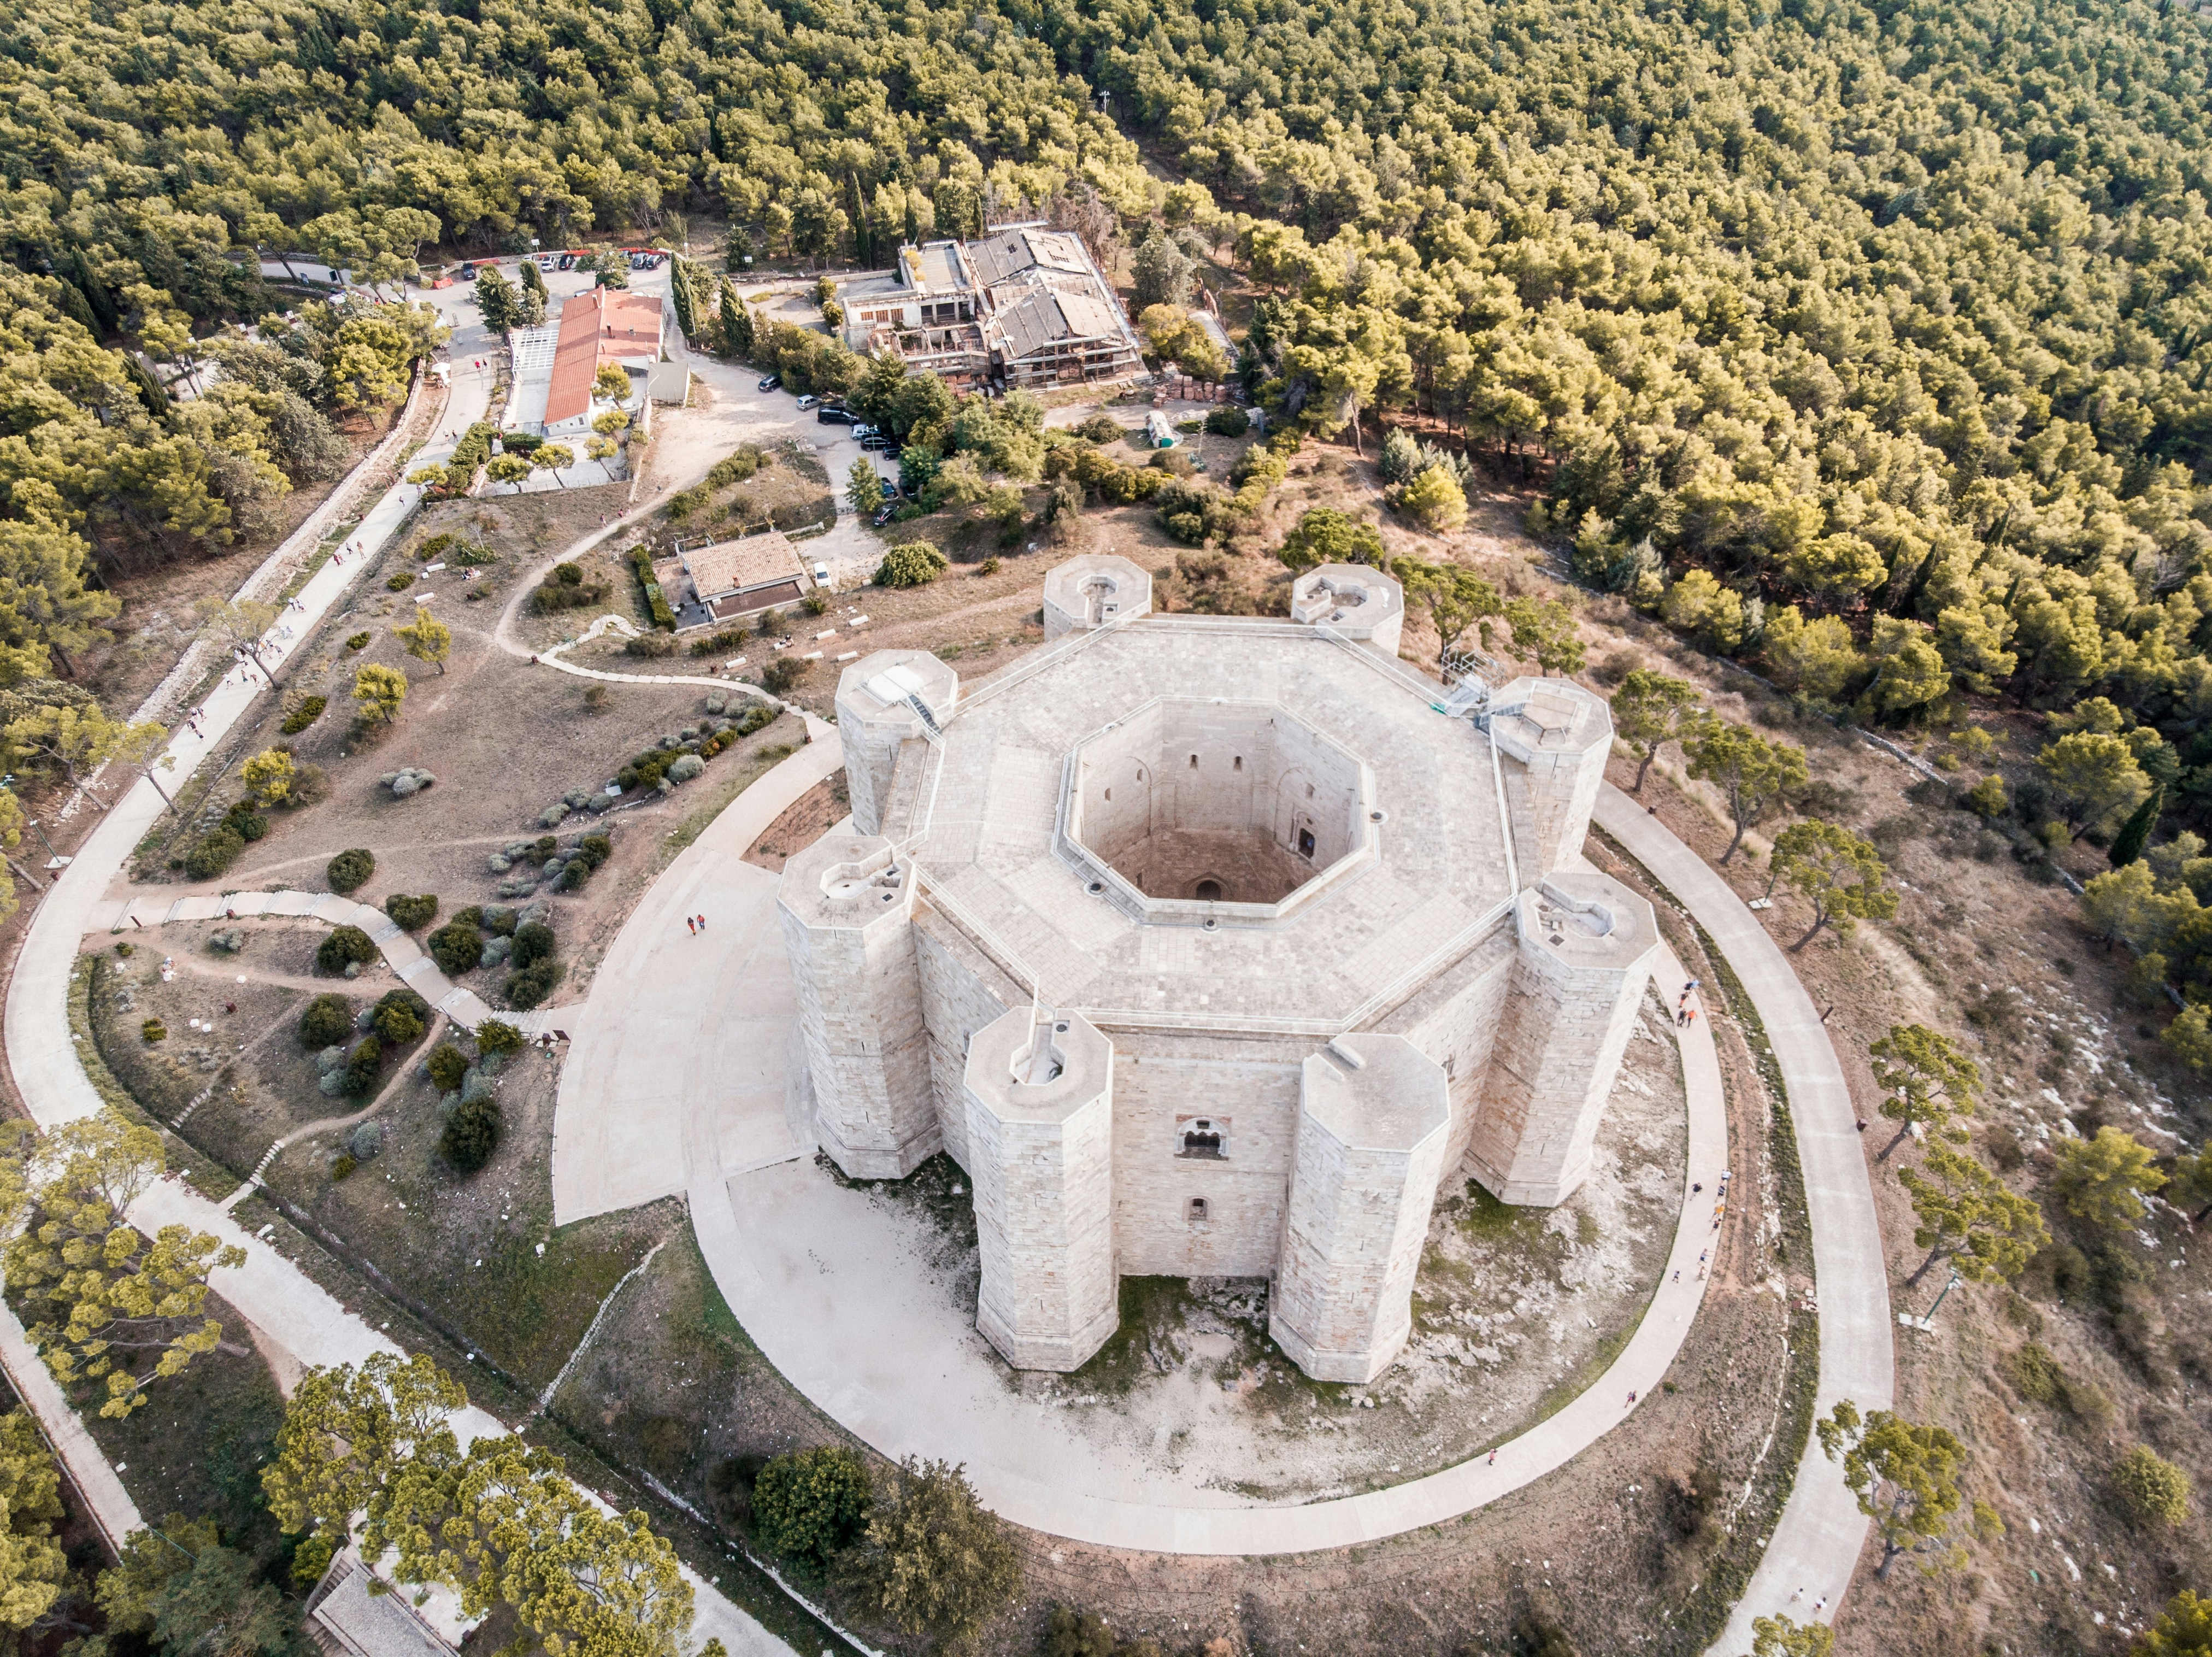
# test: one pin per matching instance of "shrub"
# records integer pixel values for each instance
(556, 596)
(914, 564)
(533, 983)
(730, 638)
(325, 1020)
(532, 943)
(215, 851)
(359, 640)
(436, 546)
(1101, 429)
(448, 1065)
(656, 601)
(781, 674)
(686, 767)
(1228, 421)
(413, 913)
(2152, 1489)
(933, 1560)
(347, 946)
(456, 947)
(811, 1504)
(152, 1030)
(365, 1140)
(361, 1066)
(471, 1133)
(398, 1023)
(497, 1037)
(595, 848)
(349, 870)
(343, 1168)
(649, 644)
(398, 581)
(307, 713)
(250, 824)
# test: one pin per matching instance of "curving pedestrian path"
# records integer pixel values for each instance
(1814, 1545)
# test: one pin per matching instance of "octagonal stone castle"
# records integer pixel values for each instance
(1213, 946)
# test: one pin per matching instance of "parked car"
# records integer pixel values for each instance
(774, 383)
(862, 429)
(544, 261)
(567, 262)
(875, 443)
(467, 273)
(822, 575)
(890, 489)
(833, 417)
(884, 516)
(808, 400)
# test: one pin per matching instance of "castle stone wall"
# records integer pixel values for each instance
(1041, 1153)
(1373, 1118)
(1573, 1005)
(846, 909)
(962, 991)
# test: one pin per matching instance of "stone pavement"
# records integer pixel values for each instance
(293, 1312)
(1816, 1542)
(684, 1064)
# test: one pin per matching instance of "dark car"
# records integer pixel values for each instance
(884, 516)
(774, 383)
(567, 262)
(467, 273)
(890, 489)
(829, 416)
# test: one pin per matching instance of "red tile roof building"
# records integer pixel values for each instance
(604, 326)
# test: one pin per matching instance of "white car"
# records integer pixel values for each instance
(822, 575)
(809, 401)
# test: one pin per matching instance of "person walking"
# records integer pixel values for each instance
(689, 926)
(702, 922)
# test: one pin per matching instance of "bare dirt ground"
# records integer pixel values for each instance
(803, 822)
(506, 741)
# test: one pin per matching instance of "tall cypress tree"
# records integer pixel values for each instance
(2134, 834)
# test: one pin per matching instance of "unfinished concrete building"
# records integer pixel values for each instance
(1213, 946)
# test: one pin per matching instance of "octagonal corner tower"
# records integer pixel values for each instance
(1314, 947)
(1097, 589)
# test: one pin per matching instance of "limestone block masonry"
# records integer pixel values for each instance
(1586, 947)
(1098, 589)
(1212, 946)
(1373, 1119)
(1040, 1098)
(886, 701)
(847, 907)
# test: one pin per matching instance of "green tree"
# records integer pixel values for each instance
(612, 383)
(933, 1560)
(1927, 1081)
(427, 639)
(101, 1298)
(514, 469)
(1324, 535)
(915, 563)
(1435, 501)
(267, 777)
(2092, 777)
(1907, 1479)
(2153, 1489)
(1753, 772)
(1456, 598)
(811, 1504)
(377, 691)
(1839, 874)
(603, 450)
(2103, 1180)
(238, 625)
(553, 459)
(1971, 1218)
(46, 610)
(77, 740)
(864, 489)
(1161, 272)
(1818, 658)
(2191, 1189)
(2134, 834)
(1544, 634)
(1650, 710)
(2183, 1629)
(1910, 672)
(33, 1569)
(497, 302)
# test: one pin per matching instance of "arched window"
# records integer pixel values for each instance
(1201, 1138)
(1207, 891)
